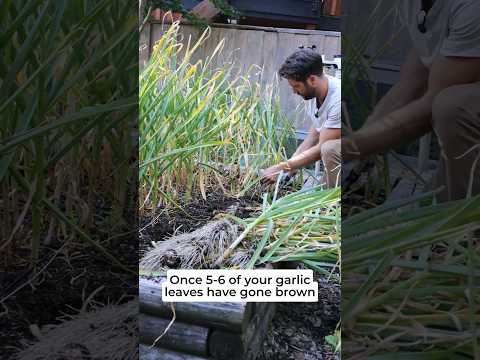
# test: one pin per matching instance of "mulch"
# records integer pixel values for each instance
(298, 330)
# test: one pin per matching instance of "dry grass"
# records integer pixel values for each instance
(105, 333)
(195, 250)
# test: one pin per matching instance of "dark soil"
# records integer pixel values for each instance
(68, 272)
(193, 215)
(298, 330)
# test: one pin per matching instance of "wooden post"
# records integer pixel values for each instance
(246, 346)
(333, 8)
(233, 317)
(227, 330)
(149, 353)
(186, 338)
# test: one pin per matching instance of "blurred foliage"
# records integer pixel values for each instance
(68, 105)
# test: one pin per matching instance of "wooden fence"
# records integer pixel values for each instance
(247, 46)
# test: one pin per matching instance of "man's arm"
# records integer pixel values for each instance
(412, 120)
(310, 140)
(304, 158)
(411, 85)
(314, 153)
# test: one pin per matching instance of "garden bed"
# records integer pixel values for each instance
(211, 330)
(297, 330)
(191, 216)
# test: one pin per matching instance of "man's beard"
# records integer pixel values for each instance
(309, 93)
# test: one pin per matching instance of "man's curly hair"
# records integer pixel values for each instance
(301, 64)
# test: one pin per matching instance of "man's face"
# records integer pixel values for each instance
(303, 88)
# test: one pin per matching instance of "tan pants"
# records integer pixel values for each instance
(456, 122)
(332, 161)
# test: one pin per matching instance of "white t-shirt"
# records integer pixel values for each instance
(330, 112)
(453, 28)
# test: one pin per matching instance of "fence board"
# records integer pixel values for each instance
(269, 52)
(144, 46)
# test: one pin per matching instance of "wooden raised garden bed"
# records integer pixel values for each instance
(233, 331)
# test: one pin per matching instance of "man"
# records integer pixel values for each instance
(304, 73)
(439, 90)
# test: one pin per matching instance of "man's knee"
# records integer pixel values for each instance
(448, 106)
(331, 158)
(331, 152)
(449, 111)
(331, 148)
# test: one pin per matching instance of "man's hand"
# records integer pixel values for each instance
(270, 175)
